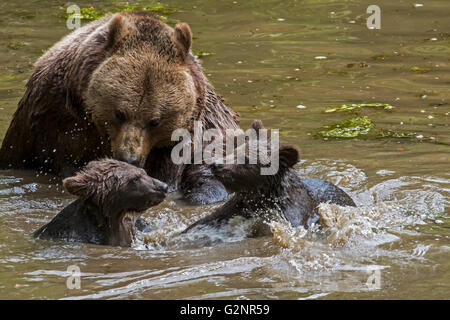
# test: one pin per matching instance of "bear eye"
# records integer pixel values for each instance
(120, 116)
(153, 123)
(135, 179)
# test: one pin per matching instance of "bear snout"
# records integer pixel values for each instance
(160, 186)
(131, 144)
(154, 185)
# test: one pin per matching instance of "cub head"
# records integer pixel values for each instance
(116, 187)
(248, 176)
(144, 89)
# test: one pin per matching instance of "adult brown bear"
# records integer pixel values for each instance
(117, 87)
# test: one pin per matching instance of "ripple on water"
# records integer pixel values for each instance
(339, 172)
(349, 241)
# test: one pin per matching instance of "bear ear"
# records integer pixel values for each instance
(79, 186)
(117, 30)
(257, 125)
(289, 156)
(183, 37)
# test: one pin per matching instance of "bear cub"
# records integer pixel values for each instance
(285, 193)
(112, 196)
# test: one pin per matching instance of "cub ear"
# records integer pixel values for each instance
(183, 37)
(257, 125)
(117, 30)
(80, 186)
(289, 156)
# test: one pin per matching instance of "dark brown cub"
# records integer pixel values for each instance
(112, 196)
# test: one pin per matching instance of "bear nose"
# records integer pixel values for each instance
(161, 186)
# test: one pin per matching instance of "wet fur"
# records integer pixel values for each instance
(112, 195)
(63, 121)
(283, 193)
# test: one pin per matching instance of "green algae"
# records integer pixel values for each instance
(87, 14)
(91, 13)
(360, 126)
(15, 45)
(348, 128)
(419, 69)
(395, 134)
(355, 107)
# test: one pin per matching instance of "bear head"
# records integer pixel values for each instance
(115, 193)
(116, 187)
(145, 88)
(247, 177)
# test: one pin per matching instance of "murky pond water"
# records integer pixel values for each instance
(283, 62)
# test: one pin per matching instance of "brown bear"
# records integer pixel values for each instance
(117, 87)
(261, 196)
(112, 196)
